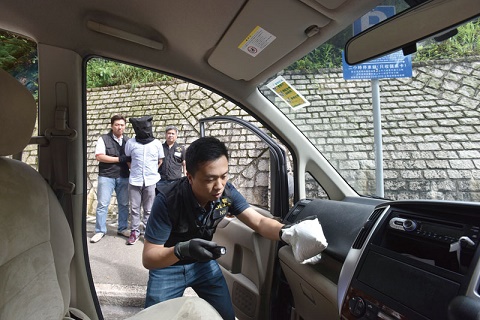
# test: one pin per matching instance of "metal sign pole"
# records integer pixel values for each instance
(377, 131)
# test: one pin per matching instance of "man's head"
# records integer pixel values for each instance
(117, 123)
(171, 134)
(142, 127)
(207, 168)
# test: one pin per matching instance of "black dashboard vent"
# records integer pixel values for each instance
(367, 227)
(376, 214)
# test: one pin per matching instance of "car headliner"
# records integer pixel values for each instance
(190, 32)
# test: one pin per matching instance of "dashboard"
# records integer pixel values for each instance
(410, 260)
(390, 260)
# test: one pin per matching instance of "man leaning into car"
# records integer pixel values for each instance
(178, 249)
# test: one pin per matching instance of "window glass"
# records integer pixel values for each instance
(175, 102)
(18, 56)
(428, 120)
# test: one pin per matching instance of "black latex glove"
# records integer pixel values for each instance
(124, 158)
(197, 249)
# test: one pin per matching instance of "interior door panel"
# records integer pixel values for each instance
(314, 293)
(247, 266)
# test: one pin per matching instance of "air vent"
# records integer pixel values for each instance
(375, 214)
(367, 227)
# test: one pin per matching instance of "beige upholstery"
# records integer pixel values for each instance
(36, 248)
(191, 308)
(17, 115)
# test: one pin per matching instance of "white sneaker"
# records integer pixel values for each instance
(97, 237)
(125, 233)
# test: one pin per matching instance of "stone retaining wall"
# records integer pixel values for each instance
(441, 97)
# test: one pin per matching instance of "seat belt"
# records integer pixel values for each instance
(59, 137)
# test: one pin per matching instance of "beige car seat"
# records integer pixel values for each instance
(34, 261)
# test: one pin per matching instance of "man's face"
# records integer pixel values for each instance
(209, 180)
(171, 136)
(118, 127)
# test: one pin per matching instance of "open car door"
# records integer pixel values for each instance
(251, 260)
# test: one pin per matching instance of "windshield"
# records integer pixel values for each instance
(400, 127)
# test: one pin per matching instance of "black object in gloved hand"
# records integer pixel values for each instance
(197, 249)
(124, 158)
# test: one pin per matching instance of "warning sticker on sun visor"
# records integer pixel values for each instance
(256, 41)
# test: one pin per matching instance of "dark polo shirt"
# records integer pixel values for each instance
(176, 215)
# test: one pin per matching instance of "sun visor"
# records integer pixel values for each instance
(263, 33)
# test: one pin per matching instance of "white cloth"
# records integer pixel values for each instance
(307, 240)
(144, 165)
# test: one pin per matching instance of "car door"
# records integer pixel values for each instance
(251, 260)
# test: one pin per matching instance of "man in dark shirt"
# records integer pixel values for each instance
(173, 165)
(178, 249)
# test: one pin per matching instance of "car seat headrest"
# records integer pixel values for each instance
(17, 115)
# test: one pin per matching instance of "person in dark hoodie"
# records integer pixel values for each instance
(146, 154)
(113, 174)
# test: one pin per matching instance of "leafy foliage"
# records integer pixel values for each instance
(326, 56)
(18, 56)
(465, 43)
(103, 73)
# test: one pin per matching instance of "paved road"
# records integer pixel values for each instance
(119, 276)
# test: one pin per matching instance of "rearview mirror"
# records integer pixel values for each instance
(404, 30)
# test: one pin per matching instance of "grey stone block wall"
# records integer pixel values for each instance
(181, 104)
(441, 97)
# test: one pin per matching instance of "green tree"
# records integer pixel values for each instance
(18, 56)
(103, 72)
(465, 43)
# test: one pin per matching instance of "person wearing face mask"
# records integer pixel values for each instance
(147, 155)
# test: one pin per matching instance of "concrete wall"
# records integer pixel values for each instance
(180, 104)
(441, 97)
(426, 120)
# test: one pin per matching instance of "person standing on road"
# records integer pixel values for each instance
(178, 250)
(113, 173)
(173, 166)
(146, 154)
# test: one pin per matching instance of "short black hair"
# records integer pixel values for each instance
(117, 117)
(203, 150)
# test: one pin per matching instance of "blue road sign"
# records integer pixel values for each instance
(394, 65)
(373, 17)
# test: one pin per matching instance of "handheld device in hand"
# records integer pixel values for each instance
(220, 250)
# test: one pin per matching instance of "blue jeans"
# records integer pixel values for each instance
(205, 278)
(105, 188)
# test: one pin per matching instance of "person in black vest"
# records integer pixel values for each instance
(178, 250)
(173, 165)
(113, 173)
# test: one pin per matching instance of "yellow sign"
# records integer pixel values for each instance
(287, 93)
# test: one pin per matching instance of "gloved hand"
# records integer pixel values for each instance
(197, 249)
(124, 158)
(306, 239)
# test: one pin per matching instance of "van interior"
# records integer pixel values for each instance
(405, 257)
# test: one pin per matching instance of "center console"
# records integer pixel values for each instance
(410, 260)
